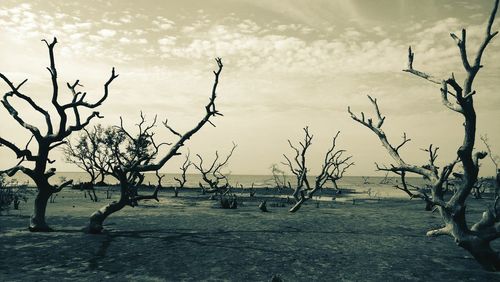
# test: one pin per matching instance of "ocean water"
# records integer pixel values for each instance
(258, 181)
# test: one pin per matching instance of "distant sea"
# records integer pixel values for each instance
(258, 181)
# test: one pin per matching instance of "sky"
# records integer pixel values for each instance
(287, 64)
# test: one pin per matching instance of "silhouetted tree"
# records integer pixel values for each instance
(475, 239)
(335, 164)
(182, 180)
(213, 175)
(142, 154)
(414, 191)
(495, 159)
(279, 177)
(53, 137)
(298, 166)
(86, 151)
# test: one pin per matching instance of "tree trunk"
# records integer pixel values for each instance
(428, 205)
(497, 184)
(176, 192)
(95, 196)
(298, 203)
(37, 220)
(296, 194)
(484, 254)
(98, 217)
(335, 185)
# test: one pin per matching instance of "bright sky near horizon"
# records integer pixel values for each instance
(287, 64)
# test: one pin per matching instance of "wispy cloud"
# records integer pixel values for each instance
(283, 68)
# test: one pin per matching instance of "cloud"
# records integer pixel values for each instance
(124, 40)
(167, 40)
(106, 32)
(248, 26)
(277, 68)
(272, 52)
(112, 22)
(126, 18)
(163, 23)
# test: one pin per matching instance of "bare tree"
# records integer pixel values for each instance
(279, 177)
(495, 159)
(182, 180)
(477, 238)
(142, 155)
(213, 175)
(159, 177)
(386, 179)
(414, 192)
(365, 179)
(335, 164)
(52, 138)
(298, 167)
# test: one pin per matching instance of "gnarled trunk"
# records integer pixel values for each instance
(483, 253)
(475, 240)
(37, 220)
(98, 217)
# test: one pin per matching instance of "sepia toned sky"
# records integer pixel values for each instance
(287, 64)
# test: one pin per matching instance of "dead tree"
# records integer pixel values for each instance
(414, 192)
(279, 177)
(159, 177)
(386, 179)
(477, 189)
(475, 239)
(494, 159)
(497, 183)
(54, 136)
(213, 175)
(298, 167)
(182, 180)
(263, 206)
(88, 189)
(143, 155)
(365, 179)
(335, 164)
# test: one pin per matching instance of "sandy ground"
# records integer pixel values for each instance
(190, 239)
